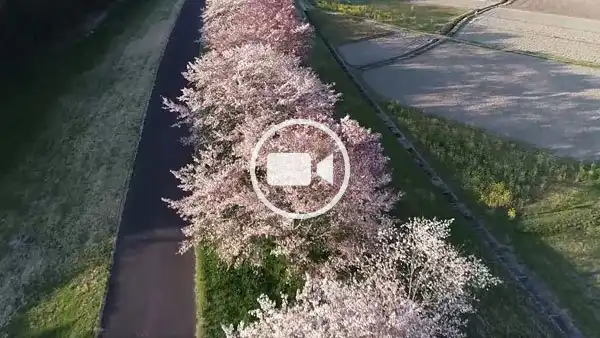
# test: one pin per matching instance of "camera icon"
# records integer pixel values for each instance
(295, 169)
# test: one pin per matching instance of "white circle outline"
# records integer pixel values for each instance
(267, 135)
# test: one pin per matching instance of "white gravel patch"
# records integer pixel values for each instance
(544, 103)
(563, 36)
(375, 50)
(580, 8)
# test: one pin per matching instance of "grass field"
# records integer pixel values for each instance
(426, 18)
(543, 207)
(355, 28)
(230, 293)
(70, 128)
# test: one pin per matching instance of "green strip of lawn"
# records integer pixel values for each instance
(425, 18)
(543, 207)
(230, 292)
(70, 126)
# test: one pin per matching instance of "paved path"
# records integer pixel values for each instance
(563, 28)
(151, 289)
(540, 102)
(562, 36)
(544, 103)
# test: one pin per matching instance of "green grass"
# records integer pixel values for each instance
(200, 291)
(355, 28)
(426, 18)
(543, 207)
(230, 293)
(70, 128)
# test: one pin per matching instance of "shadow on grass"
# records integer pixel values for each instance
(64, 305)
(29, 93)
(61, 331)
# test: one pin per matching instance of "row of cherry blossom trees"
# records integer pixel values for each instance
(367, 275)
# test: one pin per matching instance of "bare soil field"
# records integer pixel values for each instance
(589, 9)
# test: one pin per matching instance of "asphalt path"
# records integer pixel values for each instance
(151, 288)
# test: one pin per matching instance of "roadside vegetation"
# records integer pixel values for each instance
(71, 127)
(544, 208)
(425, 18)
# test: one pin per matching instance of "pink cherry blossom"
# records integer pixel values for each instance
(233, 23)
(252, 84)
(411, 283)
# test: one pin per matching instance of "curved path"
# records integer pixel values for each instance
(151, 288)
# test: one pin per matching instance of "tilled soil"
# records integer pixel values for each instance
(579, 8)
(556, 35)
(544, 103)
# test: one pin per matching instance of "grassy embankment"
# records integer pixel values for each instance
(230, 293)
(70, 128)
(425, 18)
(543, 207)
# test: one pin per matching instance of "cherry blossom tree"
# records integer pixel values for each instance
(412, 283)
(223, 209)
(336, 309)
(232, 23)
(254, 85)
(431, 271)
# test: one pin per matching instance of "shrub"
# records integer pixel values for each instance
(233, 23)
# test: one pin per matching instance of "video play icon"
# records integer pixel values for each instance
(294, 169)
